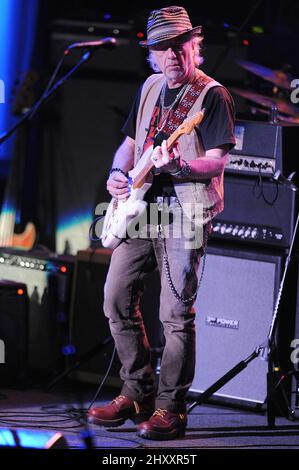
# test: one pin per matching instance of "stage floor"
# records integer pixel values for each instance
(210, 426)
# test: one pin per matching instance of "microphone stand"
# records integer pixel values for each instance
(49, 92)
(266, 351)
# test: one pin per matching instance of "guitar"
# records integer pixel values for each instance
(120, 213)
(8, 237)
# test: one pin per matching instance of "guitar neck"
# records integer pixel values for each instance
(139, 179)
(7, 224)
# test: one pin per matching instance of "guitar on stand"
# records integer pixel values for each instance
(9, 211)
(8, 237)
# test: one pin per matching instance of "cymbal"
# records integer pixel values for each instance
(277, 77)
(289, 119)
(268, 101)
(280, 117)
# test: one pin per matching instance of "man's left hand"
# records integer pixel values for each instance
(162, 159)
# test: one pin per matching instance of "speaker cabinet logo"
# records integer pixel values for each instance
(222, 322)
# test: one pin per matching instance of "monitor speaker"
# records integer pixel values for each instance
(89, 326)
(234, 309)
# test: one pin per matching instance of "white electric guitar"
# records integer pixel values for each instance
(121, 212)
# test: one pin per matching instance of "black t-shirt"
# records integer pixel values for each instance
(215, 130)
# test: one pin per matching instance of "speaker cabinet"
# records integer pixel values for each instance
(13, 332)
(234, 309)
(90, 327)
(48, 282)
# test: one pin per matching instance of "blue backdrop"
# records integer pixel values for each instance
(17, 37)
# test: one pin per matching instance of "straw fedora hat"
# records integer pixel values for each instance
(168, 23)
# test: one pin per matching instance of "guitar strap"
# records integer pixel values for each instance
(179, 114)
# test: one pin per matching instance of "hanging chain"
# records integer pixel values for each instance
(167, 267)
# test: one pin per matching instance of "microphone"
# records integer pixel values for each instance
(106, 43)
(278, 176)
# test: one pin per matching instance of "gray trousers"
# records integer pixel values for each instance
(132, 261)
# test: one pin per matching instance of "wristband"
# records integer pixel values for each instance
(184, 171)
(119, 170)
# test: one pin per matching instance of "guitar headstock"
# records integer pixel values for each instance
(188, 125)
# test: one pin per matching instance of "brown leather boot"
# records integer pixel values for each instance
(119, 410)
(163, 425)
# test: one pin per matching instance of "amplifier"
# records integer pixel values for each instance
(258, 212)
(13, 332)
(48, 281)
(262, 148)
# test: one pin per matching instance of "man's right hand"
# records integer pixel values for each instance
(117, 185)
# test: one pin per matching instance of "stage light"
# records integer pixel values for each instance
(140, 35)
(245, 42)
(28, 438)
(107, 16)
(63, 269)
(20, 291)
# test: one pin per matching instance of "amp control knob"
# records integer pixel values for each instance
(216, 228)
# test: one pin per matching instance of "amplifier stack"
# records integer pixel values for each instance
(244, 265)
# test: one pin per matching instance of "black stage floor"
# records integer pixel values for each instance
(210, 426)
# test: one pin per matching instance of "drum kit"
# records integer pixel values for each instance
(278, 108)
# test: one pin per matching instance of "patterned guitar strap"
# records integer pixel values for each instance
(179, 114)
